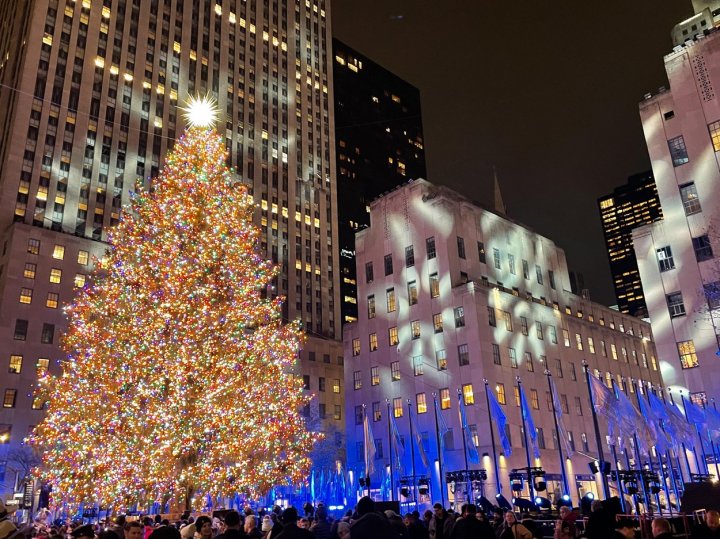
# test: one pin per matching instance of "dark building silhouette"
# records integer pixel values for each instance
(379, 145)
(629, 206)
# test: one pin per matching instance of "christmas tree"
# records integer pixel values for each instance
(176, 383)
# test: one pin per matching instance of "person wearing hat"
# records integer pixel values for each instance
(7, 528)
(624, 529)
(290, 528)
(85, 532)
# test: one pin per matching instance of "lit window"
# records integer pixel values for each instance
(30, 270)
(395, 371)
(390, 299)
(438, 322)
(374, 376)
(508, 320)
(373, 342)
(42, 366)
(356, 347)
(83, 257)
(500, 392)
(33, 246)
(79, 280)
(26, 295)
(336, 385)
(688, 357)
(59, 252)
(534, 399)
(9, 398)
(445, 398)
(690, 199)
(468, 395)
(516, 391)
(613, 351)
(481, 252)
(529, 362)
(52, 300)
(441, 359)
(591, 345)
(415, 329)
(55, 275)
(678, 151)
(15, 364)
(578, 341)
(397, 407)
(463, 355)
(714, 129)
(377, 412)
(418, 366)
(357, 380)
(513, 358)
(393, 336)
(371, 306)
(566, 337)
(421, 403)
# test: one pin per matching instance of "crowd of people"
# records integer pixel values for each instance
(365, 522)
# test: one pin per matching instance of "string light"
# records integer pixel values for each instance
(177, 385)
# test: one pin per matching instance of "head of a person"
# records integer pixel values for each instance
(250, 523)
(597, 505)
(84, 532)
(147, 521)
(438, 510)
(165, 532)
(510, 518)
(267, 523)
(712, 519)
(120, 521)
(343, 530)
(660, 525)
(290, 516)
(232, 520)
(203, 526)
(303, 523)
(626, 527)
(564, 511)
(321, 512)
(134, 530)
(365, 505)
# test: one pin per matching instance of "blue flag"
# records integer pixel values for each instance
(497, 414)
(473, 455)
(654, 424)
(630, 423)
(694, 413)
(397, 442)
(442, 427)
(418, 441)
(529, 423)
(562, 431)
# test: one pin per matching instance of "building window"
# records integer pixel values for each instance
(371, 306)
(52, 300)
(388, 265)
(491, 317)
(538, 274)
(703, 249)
(421, 403)
(376, 411)
(397, 407)
(26, 295)
(445, 398)
(393, 336)
(665, 259)
(516, 391)
(415, 329)
(48, 333)
(714, 129)
(529, 362)
(468, 395)
(540, 438)
(390, 300)
(15, 364)
(373, 342)
(430, 247)
(337, 414)
(59, 252)
(500, 392)
(21, 327)
(511, 263)
(409, 256)
(690, 199)
(33, 246)
(359, 417)
(9, 398)
(306, 381)
(553, 334)
(688, 357)
(513, 358)
(481, 252)
(578, 406)
(42, 366)
(369, 274)
(564, 404)
(675, 304)
(712, 294)
(374, 375)
(441, 359)
(412, 292)
(551, 278)
(578, 341)
(356, 347)
(83, 257)
(558, 368)
(459, 313)
(395, 371)
(321, 411)
(508, 320)
(461, 247)
(357, 380)
(613, 351)
(496, 354)
(463, 355)
(698, 399)
(30, 270)
(321, 383)
(418, 366)
(434, 285)
(336, 385)
(496, 258)
(55, 275)
(79, 280)
(591, 345)
(678, 151)
(438, 322)
(539, 330)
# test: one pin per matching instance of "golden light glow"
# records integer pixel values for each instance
(201, 111)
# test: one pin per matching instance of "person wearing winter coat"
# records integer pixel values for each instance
(512, 529)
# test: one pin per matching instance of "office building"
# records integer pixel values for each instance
(629, 206)
(452, 294)
(379, 146)
(89, 107)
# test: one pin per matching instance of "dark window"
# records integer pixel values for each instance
(665, 258)
(461, 247)
(675, 304)
(481, 251)
(369, 276)
(21, 327)
(409, 256)
(690, 199)
(678, 151)
(48, 334)
(430, 247)
(388, 265)
(703, 249)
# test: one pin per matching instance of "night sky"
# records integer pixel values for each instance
(547, 92)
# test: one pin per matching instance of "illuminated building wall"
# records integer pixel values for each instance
(677, 256)
(379, 146)
(629, 206)
(90, 107)
(451, 293)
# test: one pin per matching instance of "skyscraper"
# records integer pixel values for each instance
(677, 256)
(379, 146)
(89, 106)
(629, 206)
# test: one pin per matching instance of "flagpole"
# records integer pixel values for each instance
(637, 479)
(617, 476)
(598, 440)
(677, 457)
(646, 494)
(661, 473)
(527, 445)
(557, 431)
(468, 486)
(412, 451)
(439, 446)
(390, 440)
(367, 452)
(670, 467)
(697, 430)
(492, 439)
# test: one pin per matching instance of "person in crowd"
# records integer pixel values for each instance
(415, 529)
(710, 529)
(203, 527)
(661, 529)
(134, 530)
(321, 526)
(83, 532)
(600, 523)
(7, 528)
(512, 529)
(468, 526)
(440, 524)
(397, 523)
(267, 526)
(343, 530)
(251, 528)
(148, 524)
(233, 526)
(565, 525)
(303, 523)
(290, 528)
(427, 517)
(624, 529)
(165, 532)
(370, 524)
(118, 526)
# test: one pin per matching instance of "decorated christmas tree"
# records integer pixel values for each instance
(176, 382)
